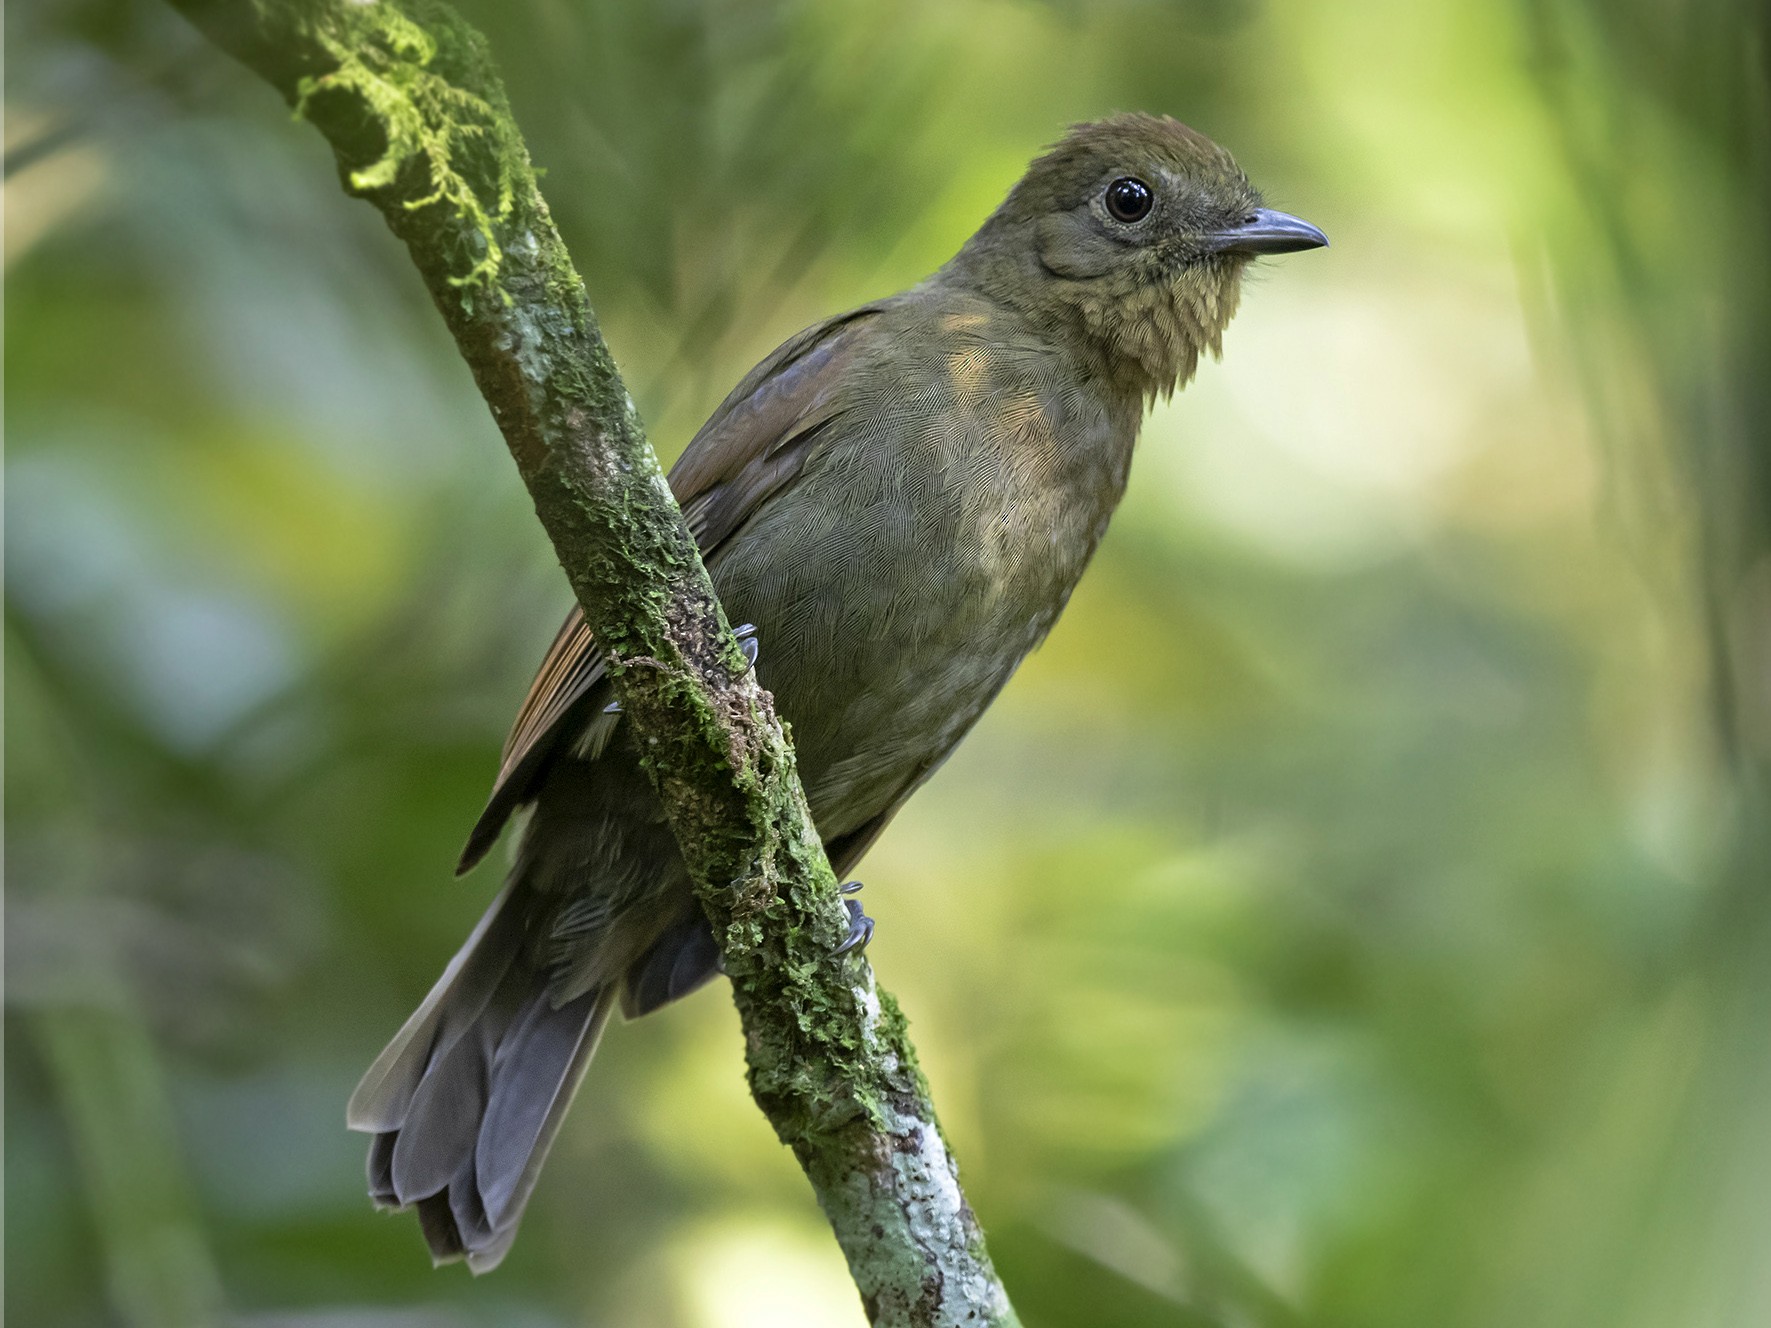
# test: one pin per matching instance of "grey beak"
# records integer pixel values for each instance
(1265, 231)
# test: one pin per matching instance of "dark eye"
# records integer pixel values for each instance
(1129, 199)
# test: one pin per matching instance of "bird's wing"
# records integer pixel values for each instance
(752, 446)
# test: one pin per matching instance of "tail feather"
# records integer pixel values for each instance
(440, 1229)
(443, 1123)
(381, 1170)
(459, 1206)
(466, 1101)
(536, 1073)
(385, 1093)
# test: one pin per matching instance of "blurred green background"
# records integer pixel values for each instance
(1357, 914)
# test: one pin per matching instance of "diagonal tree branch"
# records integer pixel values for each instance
(406, 94)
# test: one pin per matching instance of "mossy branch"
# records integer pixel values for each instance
(406, 94)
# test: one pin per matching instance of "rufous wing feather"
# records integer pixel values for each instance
(751, 448)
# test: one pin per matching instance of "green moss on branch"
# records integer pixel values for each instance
(384, 59)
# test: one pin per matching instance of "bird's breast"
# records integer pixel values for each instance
(922, 554)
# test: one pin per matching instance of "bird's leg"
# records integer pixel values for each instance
(860, 925)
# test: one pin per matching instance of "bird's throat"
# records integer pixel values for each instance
(1149, 337)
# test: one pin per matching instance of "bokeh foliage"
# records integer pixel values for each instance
(1356, 914)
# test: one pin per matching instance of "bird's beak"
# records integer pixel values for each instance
(1265, 231)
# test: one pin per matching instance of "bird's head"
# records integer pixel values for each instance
(1131, 233)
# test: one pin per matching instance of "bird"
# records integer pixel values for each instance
(896, 503)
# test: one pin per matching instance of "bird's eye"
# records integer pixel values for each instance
(1129, 199)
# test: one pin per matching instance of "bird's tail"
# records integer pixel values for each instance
(465, 1101)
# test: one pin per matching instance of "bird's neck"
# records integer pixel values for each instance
(1141, 338)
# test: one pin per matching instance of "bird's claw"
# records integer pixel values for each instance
(748, 642)
(860, 925)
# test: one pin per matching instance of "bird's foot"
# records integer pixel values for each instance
(748, 642)
(860, 925)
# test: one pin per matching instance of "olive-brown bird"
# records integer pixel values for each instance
(900, 500)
